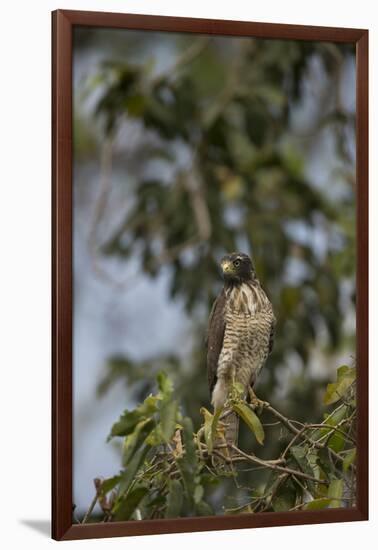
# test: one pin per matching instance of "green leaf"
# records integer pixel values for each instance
(345, 378)
(273, 481)
(336, 416)
(135, 105)
(312, 459)
(335, 493)
(285, 497)
(203, 509)
(332, 419)
(174, 499)
(300, 454)
(109, 484)
(325, 462)
(198, 493)
(208, 421)
(129, 419)
(190, 449)
(132, 469)
(126, 424)
(251, 419)
(124, 509)
(168, 410)
(336, 442)
(349, 458)
(188, 463)
(214, 425)
(133, 441)
(164, 384)
(208, 428)
(317, 504)
(155, 437)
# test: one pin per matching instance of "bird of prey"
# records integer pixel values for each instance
(240, 335)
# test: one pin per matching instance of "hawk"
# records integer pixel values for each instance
(240, 335)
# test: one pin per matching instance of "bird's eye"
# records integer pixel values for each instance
(236, 263)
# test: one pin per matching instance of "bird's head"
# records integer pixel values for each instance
(237, 268)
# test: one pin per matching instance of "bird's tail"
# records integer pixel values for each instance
(232, 429)
(229, 436)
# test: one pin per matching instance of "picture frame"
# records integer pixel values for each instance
(63, 23)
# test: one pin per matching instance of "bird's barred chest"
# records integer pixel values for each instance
(248, 323)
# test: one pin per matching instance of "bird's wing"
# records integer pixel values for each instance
(214, 340)
(271, 335)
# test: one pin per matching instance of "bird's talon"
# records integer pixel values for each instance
(258, 405)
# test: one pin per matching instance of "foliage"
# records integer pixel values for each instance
(170, 471)
(222, 164)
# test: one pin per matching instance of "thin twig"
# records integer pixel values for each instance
(291, 443)
(273, 466)
(90, 509)
(332, 429)
(301, 433)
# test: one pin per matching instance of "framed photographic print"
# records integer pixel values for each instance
(210, 252)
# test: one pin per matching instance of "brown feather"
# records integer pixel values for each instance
(215, 335)
(271, 335)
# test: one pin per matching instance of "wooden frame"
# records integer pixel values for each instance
(62, 24)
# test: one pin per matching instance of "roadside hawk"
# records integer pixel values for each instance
(240, 335)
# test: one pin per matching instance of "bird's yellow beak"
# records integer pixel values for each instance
(226, 266)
